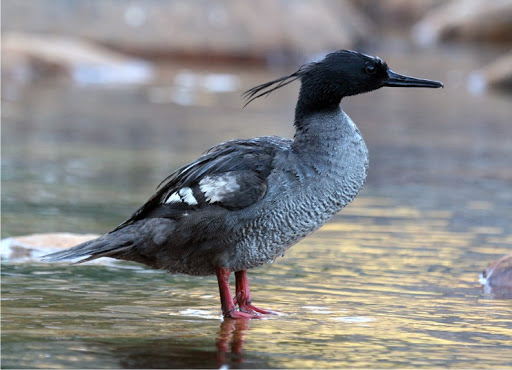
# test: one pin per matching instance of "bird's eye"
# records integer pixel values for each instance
(370, 70)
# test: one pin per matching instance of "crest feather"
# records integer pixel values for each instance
(266, 88)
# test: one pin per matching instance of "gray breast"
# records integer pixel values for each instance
(305, 190)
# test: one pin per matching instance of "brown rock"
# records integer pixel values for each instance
(499, 273)
(473, 20)
(499, 73)
(28, 57)
(400, 14)
(497, 277)
(232, 28)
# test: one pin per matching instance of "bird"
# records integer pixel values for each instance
(244, 202)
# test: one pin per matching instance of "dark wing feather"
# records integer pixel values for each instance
(248, 161)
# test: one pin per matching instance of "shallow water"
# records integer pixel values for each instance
(391, 281)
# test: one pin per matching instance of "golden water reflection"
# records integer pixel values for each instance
(357, 293)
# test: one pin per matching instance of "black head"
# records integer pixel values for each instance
(341, 73)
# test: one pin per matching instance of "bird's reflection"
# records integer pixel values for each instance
(224, 349)
(231, 334)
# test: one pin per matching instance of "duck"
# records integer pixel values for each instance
(244, 202)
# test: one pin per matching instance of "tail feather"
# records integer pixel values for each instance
(138, 242)
(92, 249)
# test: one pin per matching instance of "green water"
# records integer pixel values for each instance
(392, 281)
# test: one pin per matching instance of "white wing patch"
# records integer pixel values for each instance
(187, 196)
(215, 188)
(173, 198)
(182, 195)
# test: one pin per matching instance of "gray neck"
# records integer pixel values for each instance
(324, 133)
(329, 144)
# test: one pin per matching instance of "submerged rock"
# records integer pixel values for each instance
(497, 277)
(32, 247)
(471, 20)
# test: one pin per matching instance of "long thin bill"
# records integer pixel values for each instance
(396, 80)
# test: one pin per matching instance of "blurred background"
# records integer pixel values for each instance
(113, 95)
(102, 99)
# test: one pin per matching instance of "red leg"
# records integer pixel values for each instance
(243, 295)
(226, 301)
